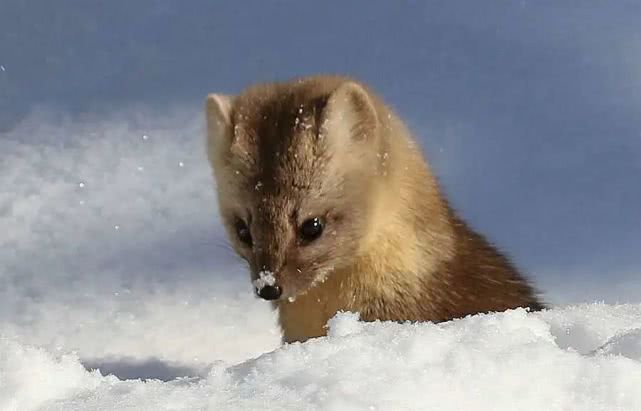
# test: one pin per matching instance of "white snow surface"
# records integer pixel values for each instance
(117, 292)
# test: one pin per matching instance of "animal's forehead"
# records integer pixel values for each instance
(283, 141)
(270, 206)
(287, 178)
(276, 118)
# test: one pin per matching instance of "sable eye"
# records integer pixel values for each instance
(311, 229)
(243, 232)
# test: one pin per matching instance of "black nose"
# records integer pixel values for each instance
(270, 292)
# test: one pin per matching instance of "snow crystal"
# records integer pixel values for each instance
(344, 324)
(30, 376)
(265, 278)
(627, 344)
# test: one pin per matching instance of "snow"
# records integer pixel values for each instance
(265, 278)
(132, 266)
(499, 362)
(119, 292)
(627, 344)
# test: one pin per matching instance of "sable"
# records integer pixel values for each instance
(324, 192)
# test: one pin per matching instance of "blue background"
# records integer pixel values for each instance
(530, 111)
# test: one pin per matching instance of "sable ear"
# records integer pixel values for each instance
(218, 113)
(349, 115)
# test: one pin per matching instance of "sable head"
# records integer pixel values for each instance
(295, 164)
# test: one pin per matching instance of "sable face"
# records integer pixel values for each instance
(294, 165)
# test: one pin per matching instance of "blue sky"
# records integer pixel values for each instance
(530, 111)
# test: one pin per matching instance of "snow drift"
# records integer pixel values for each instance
(117, 292)
(579, 358)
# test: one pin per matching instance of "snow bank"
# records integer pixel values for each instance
(504, 361)
(111, 246)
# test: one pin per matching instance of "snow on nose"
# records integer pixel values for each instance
(266, 287)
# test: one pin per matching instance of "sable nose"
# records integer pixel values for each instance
(270, 292)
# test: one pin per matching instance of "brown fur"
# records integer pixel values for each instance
(392, 249)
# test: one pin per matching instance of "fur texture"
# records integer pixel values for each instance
(391, 249)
